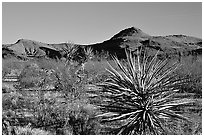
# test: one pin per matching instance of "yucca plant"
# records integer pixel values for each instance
(140, 95)
(70, 51)
(88, 53)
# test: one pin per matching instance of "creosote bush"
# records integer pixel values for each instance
(139, 96)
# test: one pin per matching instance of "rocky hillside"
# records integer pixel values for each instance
(24, 48)
(134, 38)
(131, 38)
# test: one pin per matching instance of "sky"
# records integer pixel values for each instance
(88, 23)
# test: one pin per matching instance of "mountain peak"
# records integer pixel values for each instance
(134, 29)
(128, 32)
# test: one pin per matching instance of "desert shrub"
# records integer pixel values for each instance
(34, 76)
(79, 113)
(30, 76)
(139, 96)
(65, 110)
(30, 131)
(82, 119)
(103, 55)
(18, 130)
(45, 63)
(191, 69)
(96, 71)
(14, 106)
(11, 64)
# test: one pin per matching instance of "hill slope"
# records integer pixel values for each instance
(131, 38)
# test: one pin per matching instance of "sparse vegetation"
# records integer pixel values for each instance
(51, 97)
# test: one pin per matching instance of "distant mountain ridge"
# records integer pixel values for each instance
(131, 38)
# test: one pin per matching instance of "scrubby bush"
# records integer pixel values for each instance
(191, 69)
(96, 71)
(64, 110)
(30, 131)
(79, 112)
(35, 76)
(11, 64)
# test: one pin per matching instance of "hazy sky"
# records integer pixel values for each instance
(85, 23)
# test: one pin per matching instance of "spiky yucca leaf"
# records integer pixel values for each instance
(88, 53)
(140, 94)
(70, 51)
